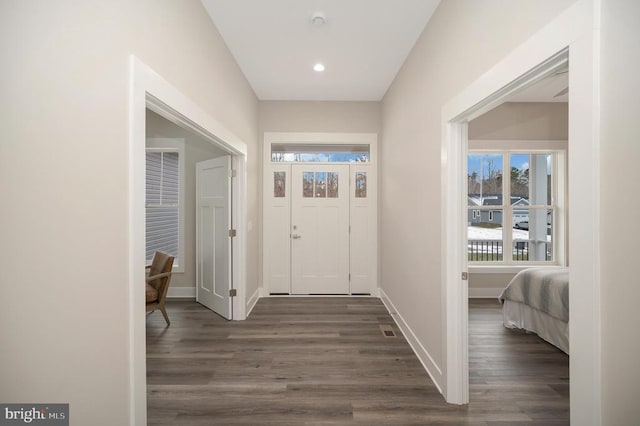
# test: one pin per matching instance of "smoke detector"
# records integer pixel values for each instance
(318, 19)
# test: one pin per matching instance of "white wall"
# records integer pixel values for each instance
(64, 173)
(620, 149)
(522, 121)
(460, 43)
(196, 149)
(319, 116)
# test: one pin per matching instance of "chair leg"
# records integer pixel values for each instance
(164, 314)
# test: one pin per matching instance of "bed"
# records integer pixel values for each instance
(537, 300)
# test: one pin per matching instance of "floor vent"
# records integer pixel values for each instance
(387, 330)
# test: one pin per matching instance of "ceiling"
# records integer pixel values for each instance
(550, 89)
(362, 44)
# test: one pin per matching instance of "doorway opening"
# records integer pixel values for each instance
(188, 212)
(499, 254)
(149, 91)
(570, 37)
(516, 232)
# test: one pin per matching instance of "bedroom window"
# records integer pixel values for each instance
(513, 217)
(164, 194)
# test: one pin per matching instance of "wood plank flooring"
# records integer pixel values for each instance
(326, 361)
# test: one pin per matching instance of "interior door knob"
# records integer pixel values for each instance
(296, 236)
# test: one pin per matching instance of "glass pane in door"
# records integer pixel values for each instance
(332, 184)
(307, 184)
(321, 185)
(361, 185)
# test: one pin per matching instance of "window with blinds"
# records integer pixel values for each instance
(162, 203)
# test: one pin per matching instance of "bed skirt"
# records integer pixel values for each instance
(553, 330)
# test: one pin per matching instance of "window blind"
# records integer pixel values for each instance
(162, 203)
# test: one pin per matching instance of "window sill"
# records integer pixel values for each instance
(175, 270)
(507, 269)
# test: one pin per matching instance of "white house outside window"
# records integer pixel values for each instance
(512, 216)
(163, 206)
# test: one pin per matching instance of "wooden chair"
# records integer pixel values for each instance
(157, 283)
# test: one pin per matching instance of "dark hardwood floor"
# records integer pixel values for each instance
(326, 361)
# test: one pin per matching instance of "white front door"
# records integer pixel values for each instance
(320, 229)
(213, 243)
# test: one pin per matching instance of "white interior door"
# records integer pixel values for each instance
(320, 229)
(213, 243)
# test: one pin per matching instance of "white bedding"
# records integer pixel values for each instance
(545, 289)
(537, 300)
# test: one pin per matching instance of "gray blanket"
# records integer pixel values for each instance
(545, 289)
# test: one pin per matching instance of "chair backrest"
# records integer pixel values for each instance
(161, 263)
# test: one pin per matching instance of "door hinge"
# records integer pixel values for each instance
(232, 233)
(232, 292)
(232, 173)
(349, 277)
(465, 276)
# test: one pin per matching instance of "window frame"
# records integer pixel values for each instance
(557, 206)
(173, 145)
(294, 152)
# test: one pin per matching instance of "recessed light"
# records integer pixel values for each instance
(318, 67)
(318, 19)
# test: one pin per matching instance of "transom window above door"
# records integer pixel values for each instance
(320, 153)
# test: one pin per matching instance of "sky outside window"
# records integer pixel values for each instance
(519, 161)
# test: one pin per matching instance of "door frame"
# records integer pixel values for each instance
(316, 138)
(576, 32)
(149, 90)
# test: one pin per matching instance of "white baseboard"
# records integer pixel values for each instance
(251, 303)
(181, 293)
(484, 293)
(423, 355)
